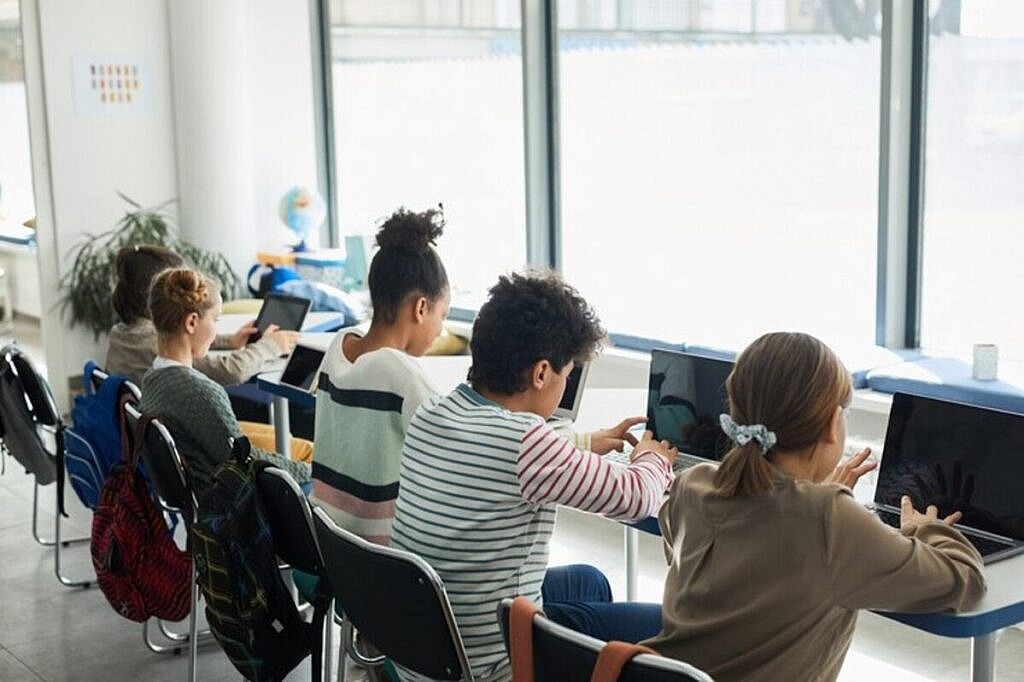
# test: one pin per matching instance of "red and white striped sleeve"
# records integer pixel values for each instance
(551, 469)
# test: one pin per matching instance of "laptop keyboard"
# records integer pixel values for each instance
(985, 546)
(682, 463)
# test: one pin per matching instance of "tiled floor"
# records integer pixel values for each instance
(48, 632)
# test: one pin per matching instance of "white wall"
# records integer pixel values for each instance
(229, 130)
(79, 160)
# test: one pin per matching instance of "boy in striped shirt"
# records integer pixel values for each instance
(482, 472)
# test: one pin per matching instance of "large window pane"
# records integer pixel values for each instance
(428, 109)
(720, 166)
(973, 277)
(17, 203)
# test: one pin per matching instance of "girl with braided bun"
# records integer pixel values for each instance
(184, 305)
(770, 556)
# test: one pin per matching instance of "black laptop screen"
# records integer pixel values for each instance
(686, 395)
(572, 386)
(957, 457)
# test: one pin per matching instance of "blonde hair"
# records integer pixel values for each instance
(791, 383)
(175, 294)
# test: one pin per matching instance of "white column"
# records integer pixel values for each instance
(213, 126)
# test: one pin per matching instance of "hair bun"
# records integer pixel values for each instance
(410, 232)
(186, 286)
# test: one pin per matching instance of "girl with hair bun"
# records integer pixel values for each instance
(770, 556)
(184, 305)
(132, 341)
(371, 385)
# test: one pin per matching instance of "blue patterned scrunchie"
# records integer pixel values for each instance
(742, 435)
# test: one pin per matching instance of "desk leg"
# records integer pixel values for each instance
(282, 427)
(983, 658)
(632, 556)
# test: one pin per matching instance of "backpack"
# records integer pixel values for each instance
(140, 570)
(248, 607)
(93, 445)
(20, 435)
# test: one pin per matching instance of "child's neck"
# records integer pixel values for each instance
(517, 402)
(802, 465)
(176, 348)
(377, 336)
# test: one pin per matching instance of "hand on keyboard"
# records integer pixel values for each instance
(615, 439)
(661, 447)
(911, 517)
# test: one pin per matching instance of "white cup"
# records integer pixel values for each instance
(986, 361)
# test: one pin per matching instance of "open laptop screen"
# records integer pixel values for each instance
(686, 395)
(957, 457)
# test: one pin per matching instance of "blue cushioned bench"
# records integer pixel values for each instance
(950, 379)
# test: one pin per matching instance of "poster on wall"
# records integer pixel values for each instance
(112, 85)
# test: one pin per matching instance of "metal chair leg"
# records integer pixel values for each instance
(193, 620)
(35, 517)
(156, 647)
(67, 582)
(327, 639)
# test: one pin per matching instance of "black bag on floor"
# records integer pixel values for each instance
(19, 432)
(248, 607)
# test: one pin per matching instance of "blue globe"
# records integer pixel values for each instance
(302, 210)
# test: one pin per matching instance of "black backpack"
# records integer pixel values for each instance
(19, 433)
(248, 607)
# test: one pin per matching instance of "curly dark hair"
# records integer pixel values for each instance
(406, 262)
(529, 318)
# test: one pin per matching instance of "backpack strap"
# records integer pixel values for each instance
(520, 638)
(613, 658)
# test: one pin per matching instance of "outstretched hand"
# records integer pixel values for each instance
(850, 471)
(615, 438)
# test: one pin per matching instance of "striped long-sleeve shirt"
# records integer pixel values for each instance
(479, 485)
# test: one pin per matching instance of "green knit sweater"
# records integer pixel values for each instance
(197, 412)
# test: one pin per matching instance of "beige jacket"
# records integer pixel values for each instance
(132, 348)
(768, 587)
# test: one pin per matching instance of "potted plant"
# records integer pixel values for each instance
(87, 287)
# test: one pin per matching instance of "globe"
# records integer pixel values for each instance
(302, 210)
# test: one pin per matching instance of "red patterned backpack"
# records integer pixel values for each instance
(140, 570)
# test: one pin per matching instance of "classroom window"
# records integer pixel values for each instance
(972, 275)
(17, 202)
(427, 98)
(719, 166)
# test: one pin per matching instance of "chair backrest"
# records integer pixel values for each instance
(564, 655)
(290, 519)
(395, 600)
(166, 472)
(99, 376)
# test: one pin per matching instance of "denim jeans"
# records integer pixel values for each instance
(579, 597)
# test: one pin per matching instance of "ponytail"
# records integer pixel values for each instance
(743, 471)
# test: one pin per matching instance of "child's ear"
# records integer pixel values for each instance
(540, 373)
(191, 322)
(832, 435)
(420, 308)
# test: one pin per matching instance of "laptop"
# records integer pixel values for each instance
(685, 396)
(569, 407)
(959, 458)
(287, 312)
(302, 367)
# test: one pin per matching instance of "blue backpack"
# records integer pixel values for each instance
(93, 444)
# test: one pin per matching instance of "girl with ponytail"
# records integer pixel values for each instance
(371, 385)
(770, 556)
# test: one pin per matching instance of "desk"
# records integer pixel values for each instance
(1002, 606)
(314, 322)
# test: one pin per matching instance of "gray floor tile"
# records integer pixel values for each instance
(12, 670)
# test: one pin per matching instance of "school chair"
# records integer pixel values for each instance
(395, 600)
(291, 525)
(174, 494)
(30, 410)
(560, 654)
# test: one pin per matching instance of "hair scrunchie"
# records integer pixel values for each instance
(743, 434)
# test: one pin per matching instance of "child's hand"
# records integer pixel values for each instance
(662, 447)
(850, 471)
(241, 337)
(910, 517)
(604, 441)
(284, 339)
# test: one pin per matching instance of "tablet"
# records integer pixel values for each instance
(303, 367)
(287, 312)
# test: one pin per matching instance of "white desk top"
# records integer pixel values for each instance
(230, 323)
